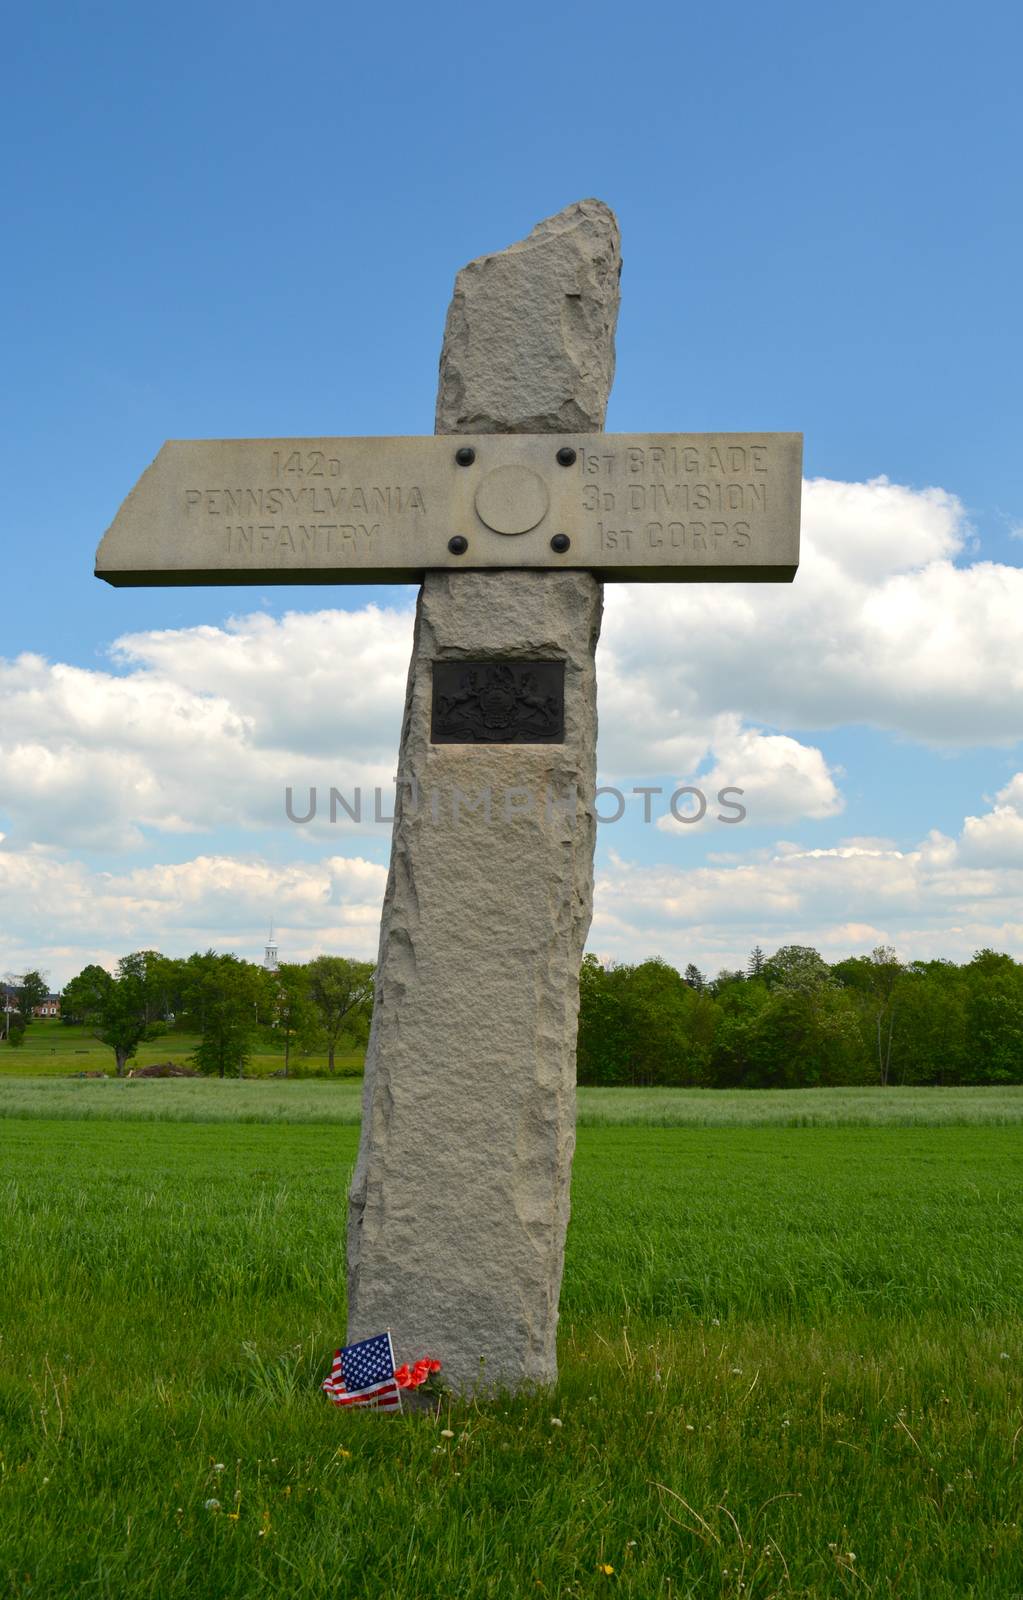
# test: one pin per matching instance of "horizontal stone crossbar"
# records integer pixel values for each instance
(659, 507)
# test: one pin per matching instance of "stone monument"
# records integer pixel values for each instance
(460, 1198)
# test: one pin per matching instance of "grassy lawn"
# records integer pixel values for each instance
(791, 1365)
(54, 1049)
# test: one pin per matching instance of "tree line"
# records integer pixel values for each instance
(233, 1005)
(791, 1020)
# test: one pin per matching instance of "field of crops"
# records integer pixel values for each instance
(790, 1366)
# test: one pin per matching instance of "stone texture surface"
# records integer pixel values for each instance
(529, 340)
(460, 1197)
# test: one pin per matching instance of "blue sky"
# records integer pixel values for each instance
(241, 221)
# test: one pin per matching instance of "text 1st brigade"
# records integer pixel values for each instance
(679, 460)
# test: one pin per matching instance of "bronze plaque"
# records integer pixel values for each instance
(498, 702)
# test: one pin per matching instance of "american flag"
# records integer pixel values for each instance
(363, 1375)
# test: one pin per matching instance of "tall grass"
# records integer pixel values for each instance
(791, 1365)
(340, 1102)
(183, 1099)
(801, 1108)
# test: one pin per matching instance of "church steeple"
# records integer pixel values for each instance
(270, 954)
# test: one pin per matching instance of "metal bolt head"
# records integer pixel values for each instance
(465, 455)
(566, 456)
(459, 544)
(560, 543)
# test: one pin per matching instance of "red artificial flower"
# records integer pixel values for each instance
(410, 1378)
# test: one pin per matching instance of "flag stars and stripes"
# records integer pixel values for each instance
(363, 1375)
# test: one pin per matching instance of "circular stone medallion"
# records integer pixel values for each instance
(512, 499)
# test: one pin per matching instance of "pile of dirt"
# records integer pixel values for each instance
(165, 1069)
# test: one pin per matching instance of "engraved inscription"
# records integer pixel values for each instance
(306, 516)
(317, 501)
(677, 498)
(498, 702)
(704, 537)
(300, 539)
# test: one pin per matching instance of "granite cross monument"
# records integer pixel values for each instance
(460, 1197)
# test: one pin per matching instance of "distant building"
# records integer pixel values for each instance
(50, 1007)
(270, 954)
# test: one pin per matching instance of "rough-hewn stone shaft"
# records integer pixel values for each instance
(529, 341)
(460, 1198)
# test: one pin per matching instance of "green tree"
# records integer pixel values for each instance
(150, 970)
(994, 1018)
(292, 1013)
(874, 980)
(81, 999)
(807, 1032)
(224, 997)
(341, 991)
(122, 1021)
(739, 1006)
(798, 968)
(641, 1025)
(931, 1032)
(118, 1010)
(601, 1048)
(726, 977)
(885, 972)
(671, 1026)
(756, 963)
(31, 992)
(803, 1039)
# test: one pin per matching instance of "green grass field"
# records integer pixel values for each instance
(55, 1049)
(790, 1366)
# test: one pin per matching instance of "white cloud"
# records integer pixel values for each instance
(780, 778)
(996, 838)
(67, 914)
(944, 897)
(1012, 794)
(205, 731)
(326, 683)
(880, 627)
